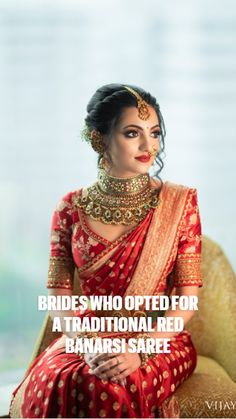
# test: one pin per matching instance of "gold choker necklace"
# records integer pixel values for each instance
(118, 200)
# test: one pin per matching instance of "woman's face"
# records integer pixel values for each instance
(134, 143)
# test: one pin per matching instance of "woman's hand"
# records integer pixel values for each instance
(115, 367)
(94, 363)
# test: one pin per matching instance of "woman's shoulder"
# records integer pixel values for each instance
(69, 198)
(171, 186)
(179, 186)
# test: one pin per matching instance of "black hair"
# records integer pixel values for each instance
(105, 109)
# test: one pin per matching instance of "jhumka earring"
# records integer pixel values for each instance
(102, 164)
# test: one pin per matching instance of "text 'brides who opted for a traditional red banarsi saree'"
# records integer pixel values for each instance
(161, 252)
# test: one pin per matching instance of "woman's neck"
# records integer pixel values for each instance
(121, 185)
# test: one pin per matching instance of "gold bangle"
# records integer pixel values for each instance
(86, 335)
(144, 355)
(144, 358)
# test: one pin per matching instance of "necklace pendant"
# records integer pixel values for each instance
(118, 201)
(117, 215)
(97, 211)
(89, 206)
(107, 214)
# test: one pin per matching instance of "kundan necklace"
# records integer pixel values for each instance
(115, 200)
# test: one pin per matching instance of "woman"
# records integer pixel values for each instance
(127, 234)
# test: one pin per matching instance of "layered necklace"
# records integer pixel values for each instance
(115, 200)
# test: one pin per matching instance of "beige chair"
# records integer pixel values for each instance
(211, 390)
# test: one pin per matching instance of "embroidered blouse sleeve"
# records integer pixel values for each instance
(61, 264)
(187, 270)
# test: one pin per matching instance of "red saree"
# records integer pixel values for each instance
(160, 253)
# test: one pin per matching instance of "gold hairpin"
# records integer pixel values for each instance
(95, 138)
(143, 111)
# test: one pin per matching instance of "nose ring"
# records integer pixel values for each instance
(154, 152)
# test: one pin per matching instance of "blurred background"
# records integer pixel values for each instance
(53, 56)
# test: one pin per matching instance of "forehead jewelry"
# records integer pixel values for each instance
(143, 111)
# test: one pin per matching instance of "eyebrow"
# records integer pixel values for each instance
(137, 126)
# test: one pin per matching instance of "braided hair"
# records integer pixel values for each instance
(105, 108)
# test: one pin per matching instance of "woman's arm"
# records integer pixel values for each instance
(61, 264)
(62, 313)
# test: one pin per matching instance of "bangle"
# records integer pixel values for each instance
(144, 355)
(86, 335)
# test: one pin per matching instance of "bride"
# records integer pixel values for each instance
(127, 234)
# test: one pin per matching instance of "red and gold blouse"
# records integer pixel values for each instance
(111, 265)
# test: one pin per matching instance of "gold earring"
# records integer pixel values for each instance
(94, 138)
(102, 163)
(97, 141)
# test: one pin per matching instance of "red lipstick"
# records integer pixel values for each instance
(143, 159)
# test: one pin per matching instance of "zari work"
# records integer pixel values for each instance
(58, 384)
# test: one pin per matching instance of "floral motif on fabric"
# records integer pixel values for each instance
(187, 270)
(85, 246)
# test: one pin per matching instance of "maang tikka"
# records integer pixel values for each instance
(95, 138)
(143, 111)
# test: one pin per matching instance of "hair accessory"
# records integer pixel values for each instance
(143, 111)
(95, 138)
(97, 141)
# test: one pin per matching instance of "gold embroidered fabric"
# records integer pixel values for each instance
(187, 269)
(208, 392)
(17, 401)
(60, 272)
(155, 260)
(61, 264)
